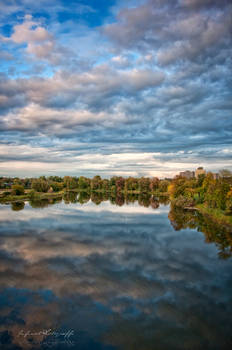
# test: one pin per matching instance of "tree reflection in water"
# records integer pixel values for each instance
(179, 218)
(214, 232)
(121, 276)
(17, 206)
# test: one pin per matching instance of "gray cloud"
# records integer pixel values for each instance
(160, 83)
(142, 280)
(176, 34)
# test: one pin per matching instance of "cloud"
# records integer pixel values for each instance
(121, 276)
(152, 77)
(205, 3)
(170, 30)
(29, 32)
(204, 34)
(38, 40)
(57, 158)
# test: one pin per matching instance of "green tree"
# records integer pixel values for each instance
(154, 184)
(131, 184)
(70, 182)
(163, 186)
(96, 183)
(40, 185)
(144, 184)
(84, 183)
(17, 190)
(17, 206)
(57, 186)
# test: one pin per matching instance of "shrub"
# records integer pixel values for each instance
(6, 193)
(183, 202)
(40, 185)
(33, 195)
(17, 190)
(17, 206)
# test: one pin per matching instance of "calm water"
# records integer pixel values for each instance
(113, 277)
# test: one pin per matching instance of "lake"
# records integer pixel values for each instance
(104, 275)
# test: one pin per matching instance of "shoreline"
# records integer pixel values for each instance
(216, 215)
(43, 195)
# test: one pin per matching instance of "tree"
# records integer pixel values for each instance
(200, 180)
(163, 185)
(120, 183)
(229, 201)
(177, 187)
(17, 206)
(70, 182)
(84, 183)
(56, 186)
(144, 184)
(131, 184)
(154, 184)
(105, 185)
(96, 183)
(40, 185)
(17, 190)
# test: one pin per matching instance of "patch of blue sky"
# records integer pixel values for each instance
(6, 29)
(92, 13)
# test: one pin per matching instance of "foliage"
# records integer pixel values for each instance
(40, 185)
(144, 184)
(33, 195)
(163, 186)
(17, 206)
(17, 190)
(211, 191)
(56, 186)
(154, 184)
(183, 202)
(70, 183)
(213, 229)
(96, 183)
(84, 183)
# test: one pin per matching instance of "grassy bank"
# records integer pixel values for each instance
(28, 196)
(41, 195)
(216, 215)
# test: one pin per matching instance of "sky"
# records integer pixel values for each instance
(115, 87)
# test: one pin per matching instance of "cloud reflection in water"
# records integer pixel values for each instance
(120, 277)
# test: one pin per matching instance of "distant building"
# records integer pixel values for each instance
(216, 176)
(194, 174)
(187, 174)
(200, 171)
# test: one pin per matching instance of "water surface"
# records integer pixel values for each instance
(106, 276)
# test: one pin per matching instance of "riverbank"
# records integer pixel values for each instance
(40, 195)
(28, 196)
(216, 215)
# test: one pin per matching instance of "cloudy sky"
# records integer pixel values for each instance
(109, 87)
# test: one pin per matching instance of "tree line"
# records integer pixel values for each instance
(205, 190)
(183, 192)
(56, 183)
